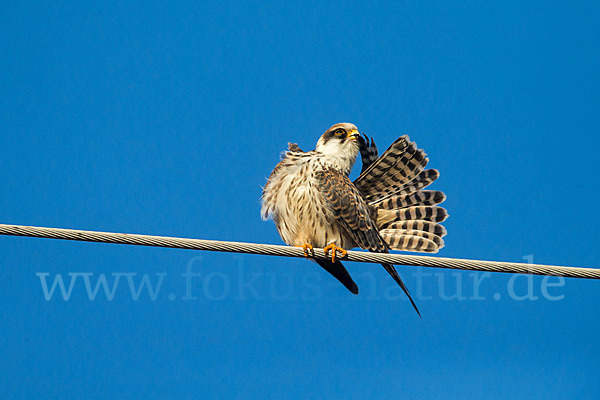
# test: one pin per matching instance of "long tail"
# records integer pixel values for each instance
(407, 216)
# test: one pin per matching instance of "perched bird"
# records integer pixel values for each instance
(314, 203)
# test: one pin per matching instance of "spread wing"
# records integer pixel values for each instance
(351, 209)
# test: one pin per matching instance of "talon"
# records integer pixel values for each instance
(306, 247)
(334, 250)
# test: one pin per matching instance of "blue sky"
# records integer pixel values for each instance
(166, 118)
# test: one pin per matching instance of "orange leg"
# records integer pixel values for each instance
(306, 248)
(334, 250)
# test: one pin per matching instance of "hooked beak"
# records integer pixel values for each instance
(354, 134)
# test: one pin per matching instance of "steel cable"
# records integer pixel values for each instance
(286, 251)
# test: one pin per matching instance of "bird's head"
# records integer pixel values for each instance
(342, 142)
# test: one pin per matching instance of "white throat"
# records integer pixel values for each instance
(337, 155)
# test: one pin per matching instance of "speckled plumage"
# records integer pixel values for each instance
(294, 195)
(312, 201)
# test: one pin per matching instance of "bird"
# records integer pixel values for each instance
(314, 204)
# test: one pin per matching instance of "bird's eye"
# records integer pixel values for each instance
(339, 132)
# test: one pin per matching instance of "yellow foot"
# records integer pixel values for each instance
(307, 247)
(334, 250)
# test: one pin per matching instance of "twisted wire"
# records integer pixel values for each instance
(286, 251)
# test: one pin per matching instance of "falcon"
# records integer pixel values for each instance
(314, 203)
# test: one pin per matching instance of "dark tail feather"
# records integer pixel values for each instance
(392, 271)
(340, 273)
(368, 152)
